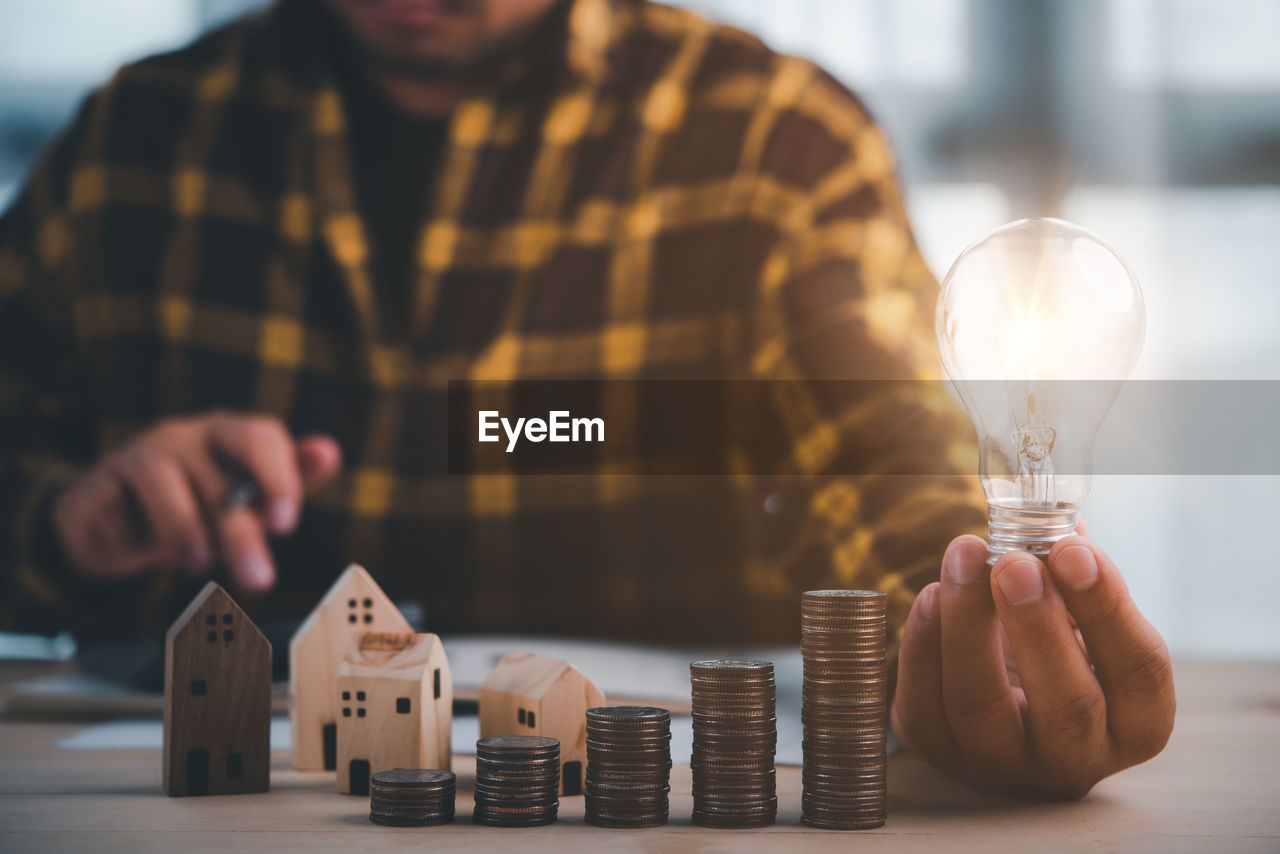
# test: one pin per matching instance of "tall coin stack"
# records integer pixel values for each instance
(628, 766)
(517, 780)
(735, 734)
(845, 705)
(411, 797)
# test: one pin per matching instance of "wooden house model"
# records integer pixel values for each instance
(354, 605)
(529, 694)
(217, 700)
(395, 707)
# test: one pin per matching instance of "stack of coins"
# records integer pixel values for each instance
(735, 733)
(517, 780)
(845, 705)
(628, 766)
(411, 797)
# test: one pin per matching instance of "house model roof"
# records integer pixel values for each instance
(525, 674)
(213, 592)
(354, 580)
(395, 655)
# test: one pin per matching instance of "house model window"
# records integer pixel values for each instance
(394, 679)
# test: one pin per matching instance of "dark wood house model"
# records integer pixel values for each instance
(217, 700)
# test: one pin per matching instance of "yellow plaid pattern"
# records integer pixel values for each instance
(661, 198)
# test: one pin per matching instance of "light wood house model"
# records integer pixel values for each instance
(529, 694)
(217, 700)
(395, 707)
(354, 605)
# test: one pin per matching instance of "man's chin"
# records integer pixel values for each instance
(419, 37)
(412, 15)
(426, 64)
(426, 55)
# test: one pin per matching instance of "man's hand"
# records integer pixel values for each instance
(160, 500)
(997, 685)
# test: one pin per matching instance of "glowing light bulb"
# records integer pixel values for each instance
(1039, 325)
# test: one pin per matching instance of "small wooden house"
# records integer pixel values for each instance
(529, 694)
(354, 605)
(395, 707)
(217, 700)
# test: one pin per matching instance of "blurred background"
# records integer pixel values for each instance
(1155, 123)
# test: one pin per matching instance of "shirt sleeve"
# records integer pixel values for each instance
(46, 420)
(867, 449)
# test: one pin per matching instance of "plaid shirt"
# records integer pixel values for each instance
(652, 196)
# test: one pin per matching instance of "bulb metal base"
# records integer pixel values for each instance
(1028, 529)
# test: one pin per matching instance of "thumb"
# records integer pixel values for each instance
(319, 458)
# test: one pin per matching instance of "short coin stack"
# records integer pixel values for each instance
(411, 797)
(517, 780)
(842, 641)
(735, 733)
(628, 766)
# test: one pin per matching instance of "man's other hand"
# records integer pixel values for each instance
(160, 501)
(1027, 679)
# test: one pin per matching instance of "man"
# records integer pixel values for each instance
(249, 270)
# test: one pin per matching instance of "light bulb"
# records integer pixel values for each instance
(1039, 325)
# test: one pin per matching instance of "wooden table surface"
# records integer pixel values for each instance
(1215, 788)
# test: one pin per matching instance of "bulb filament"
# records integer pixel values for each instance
(1034, 441)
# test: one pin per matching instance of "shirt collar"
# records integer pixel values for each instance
(594, 25)
(578, 40)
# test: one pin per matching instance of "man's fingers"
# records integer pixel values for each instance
(319, 458)
(1065, 706)
(1128, 654)
(919, 717)
(241, 540)
(265, 451)
(980, 707)
(163, 499)
(244, 550)
(174, 522)
(100, 529)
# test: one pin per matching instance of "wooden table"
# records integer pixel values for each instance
(1215, 788)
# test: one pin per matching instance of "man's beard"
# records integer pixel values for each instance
(485, 59)
(424, 70)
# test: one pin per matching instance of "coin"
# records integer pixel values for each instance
(521, 743)
(734, 738)
(844, 707)
(413, 777)
(411, 797)
(517, 780)
(492, 819)
(628, 766)
(614, 714)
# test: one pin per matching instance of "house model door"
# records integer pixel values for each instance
(359, 776)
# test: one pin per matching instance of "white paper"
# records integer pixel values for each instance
(148, 734)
